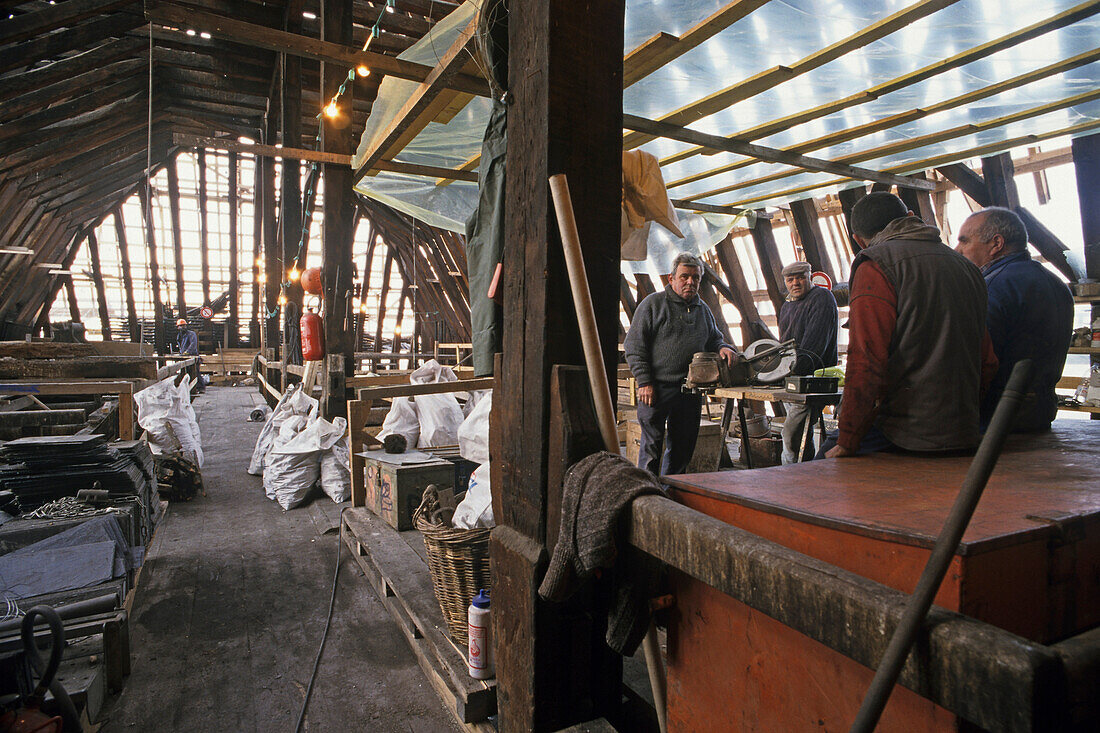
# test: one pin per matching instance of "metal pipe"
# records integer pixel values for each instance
(977, 475)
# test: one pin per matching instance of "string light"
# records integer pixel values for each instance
(294, 274)
(331, 110)
(362, 70)
(261, 278)
(282, 298)
(259, 262)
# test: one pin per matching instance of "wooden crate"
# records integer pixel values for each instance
(708, 446)
(394, 489)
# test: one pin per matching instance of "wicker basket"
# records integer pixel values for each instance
(458, 560)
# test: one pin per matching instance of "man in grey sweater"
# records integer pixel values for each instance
(668, 328)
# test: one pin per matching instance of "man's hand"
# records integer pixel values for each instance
(838, 451)
(728, 354)
(645, 394)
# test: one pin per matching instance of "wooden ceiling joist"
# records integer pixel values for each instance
(311, 48)
(765, 80)
(418, 109)
(771, 155)
(28, 53)
(52, 17)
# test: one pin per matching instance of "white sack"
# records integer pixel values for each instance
(440, 419)
(403, 420)
(293, 402)
(473, 434)
(289, 477)
(336, 470)
(476, 508)
(165, 412)
(431, 372)
(295, 462)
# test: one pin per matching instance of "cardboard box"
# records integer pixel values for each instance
(395, 483)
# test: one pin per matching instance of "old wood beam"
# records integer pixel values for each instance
(814, 247)
(177, 235)
(767, 254)
(82, 35)
(412, 112)
(272, 270)
(293, 234)
(100, 291)
(204, 228)
(999, 177)
(49, 18)
(364, 289)
(234, 322)
(318, 50)
(848, 198)
(752, 325)
(339, 213)
(55, 80)
(255, 334)
(560, 51)
(133, 327)
(159, 341)
(919, 202)
(657, 128)
(382, 293)
(1086, 167)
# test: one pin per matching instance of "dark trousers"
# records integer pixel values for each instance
(669, 429)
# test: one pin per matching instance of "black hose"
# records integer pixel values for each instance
(48, 670)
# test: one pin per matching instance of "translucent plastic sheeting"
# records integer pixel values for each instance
(782, 33)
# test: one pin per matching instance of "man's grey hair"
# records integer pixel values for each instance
(998, 220)
(688, 260)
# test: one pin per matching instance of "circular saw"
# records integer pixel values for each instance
(770, 360)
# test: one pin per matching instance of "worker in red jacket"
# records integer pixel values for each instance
(919, 355)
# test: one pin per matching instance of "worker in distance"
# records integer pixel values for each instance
(919, 355)
(809, 317)
(668, 328)
(1029, 314)
(187, 344)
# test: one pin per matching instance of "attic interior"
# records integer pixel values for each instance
(345, 204)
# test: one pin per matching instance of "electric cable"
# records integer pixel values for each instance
(328, 624)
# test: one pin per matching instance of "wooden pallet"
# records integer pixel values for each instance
(401, 578)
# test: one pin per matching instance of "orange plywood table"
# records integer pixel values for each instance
(1029, 563)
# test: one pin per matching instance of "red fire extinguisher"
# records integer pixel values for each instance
(313, 336)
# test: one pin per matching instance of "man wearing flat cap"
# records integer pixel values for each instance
(809, 316)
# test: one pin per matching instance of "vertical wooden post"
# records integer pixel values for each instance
(364, 290)
(381, 314)
(999, 175)
(804, 212)
(204, 229)
(848, 198)
(255, 333)
(127, 277)
(74, 305)
(920, 202)
(752, 326)
(159, 341)
(339, 232)
(272, 269)
(177, 234)
(1086, 167)
(100, 291)
(290, 200)
(563, 55)
(234, 324)
(767, 252)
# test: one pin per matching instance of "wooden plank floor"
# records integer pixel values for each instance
(231, 605)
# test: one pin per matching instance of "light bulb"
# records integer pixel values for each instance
(294, 274)
(331, 110)
(259, 262)
(261, 278)
(282, 299)
(362, 70)
(363, 308)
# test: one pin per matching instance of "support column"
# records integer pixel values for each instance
(848, 198)
(204, 229)
(767, 252)
(177, 234)
(272, 255)
(159, 342)
(806, 221)
(255, 326)
(290, 209)
(553, 669)
(999, 175)
(234, 323)
(100, 291)
(920, 202)
(127, 277)
(70, 291)
(1086, 167)
(339, 231)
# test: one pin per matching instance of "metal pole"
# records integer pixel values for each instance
(973, 485)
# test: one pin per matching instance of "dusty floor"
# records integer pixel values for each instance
(231, 605)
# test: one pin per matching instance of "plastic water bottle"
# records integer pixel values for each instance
(480, 657)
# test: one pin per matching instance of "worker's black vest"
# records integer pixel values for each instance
(933, 373)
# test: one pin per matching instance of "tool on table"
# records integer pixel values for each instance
(944, 550)
(766, 361)
(812, 385)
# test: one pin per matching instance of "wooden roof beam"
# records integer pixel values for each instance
(28, 53)
(310, 48)
(52, 17)
(665, 47)
(63, 74)
(418, 111)
(771, 155)
(1065, 18)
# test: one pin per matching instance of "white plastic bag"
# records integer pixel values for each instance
(403, 420)
(289, 477)
(336, 471)
(473, 434)
(165, 412)
(440, 419)
(293, 402)
(476, 508)
(431, 372)
(297, 456)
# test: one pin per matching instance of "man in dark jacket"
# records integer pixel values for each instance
(668, 328)
(918, 352)
(809, 316)
(1030, 314)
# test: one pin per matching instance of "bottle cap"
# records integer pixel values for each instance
(481, 600)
